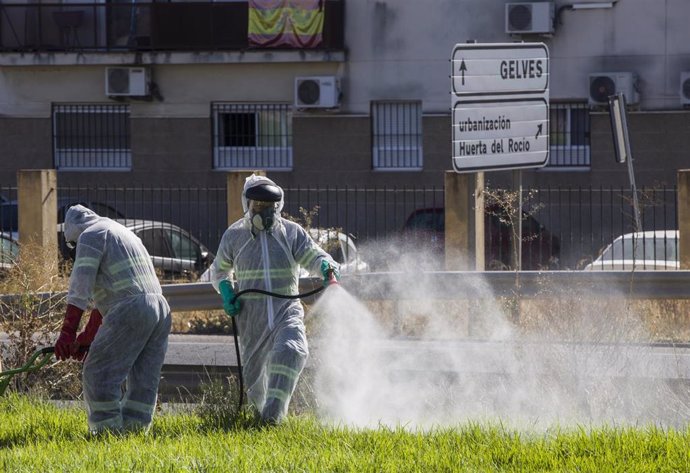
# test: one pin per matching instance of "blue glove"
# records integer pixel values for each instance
(228, 294)
(331, 275)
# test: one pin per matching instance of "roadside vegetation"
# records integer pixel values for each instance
(39, 436)
(42, 429)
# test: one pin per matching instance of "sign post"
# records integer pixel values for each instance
(621, 145)
(500, 106)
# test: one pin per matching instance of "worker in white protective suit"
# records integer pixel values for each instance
(264, 251)
(113, 270)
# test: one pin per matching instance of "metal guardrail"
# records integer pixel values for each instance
(449, 285)
(473, 285)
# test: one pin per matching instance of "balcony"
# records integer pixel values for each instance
(143, 27)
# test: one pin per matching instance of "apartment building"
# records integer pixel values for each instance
(327, 92)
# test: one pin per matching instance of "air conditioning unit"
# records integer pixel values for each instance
(685, 89)
(530, 18)
(604, 84)
(317, 92)
(127, 81)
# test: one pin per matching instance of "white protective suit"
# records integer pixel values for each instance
(113, 270)
(272, 336)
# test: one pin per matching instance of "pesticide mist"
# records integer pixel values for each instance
(425, 363)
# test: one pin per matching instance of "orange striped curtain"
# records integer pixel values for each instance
(295, 23)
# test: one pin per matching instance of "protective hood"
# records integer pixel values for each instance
(77, 219)
(253, 181)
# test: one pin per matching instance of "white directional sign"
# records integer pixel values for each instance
(497, 69)
(500, 106)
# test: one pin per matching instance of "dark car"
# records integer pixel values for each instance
(174, 251)
(9, 211)
(540, 249)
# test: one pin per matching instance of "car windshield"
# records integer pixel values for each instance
(9, 251)
(659, 248)
(426, 220)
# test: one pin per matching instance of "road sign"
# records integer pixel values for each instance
(500, 69)
(500, 106)
(489, 134)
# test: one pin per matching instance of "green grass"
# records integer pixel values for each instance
(39, 436)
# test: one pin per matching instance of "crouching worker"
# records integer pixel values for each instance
(113, 269)
(265, 251)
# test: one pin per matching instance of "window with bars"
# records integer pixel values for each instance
(570, 135)
(252, 136)
(397, 135)
(91, 137)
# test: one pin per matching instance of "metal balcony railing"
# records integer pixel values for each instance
(122, 27)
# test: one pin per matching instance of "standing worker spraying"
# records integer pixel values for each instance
(265, 252)
(113, 269)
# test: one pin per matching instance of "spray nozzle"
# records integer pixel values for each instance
(330, 276)
(330, 273)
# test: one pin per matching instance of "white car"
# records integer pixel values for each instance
(650, 250)
(342, 249)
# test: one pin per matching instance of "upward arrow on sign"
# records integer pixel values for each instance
(463, 68)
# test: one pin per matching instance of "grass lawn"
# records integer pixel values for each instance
(39, 436)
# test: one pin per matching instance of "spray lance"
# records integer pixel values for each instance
(38, 360)
(330, 279)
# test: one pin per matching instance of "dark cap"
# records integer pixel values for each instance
(264, 193)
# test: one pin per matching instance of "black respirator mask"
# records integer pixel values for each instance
(71, 249)
(263, 202)
(263, 214)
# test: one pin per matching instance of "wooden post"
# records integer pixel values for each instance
(684, 218)
(37, 218)
(459, 221)
(479, 235)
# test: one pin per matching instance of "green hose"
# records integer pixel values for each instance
(38, 360)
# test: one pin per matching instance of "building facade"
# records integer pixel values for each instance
(171, 94)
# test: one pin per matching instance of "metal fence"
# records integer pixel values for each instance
(563, 228)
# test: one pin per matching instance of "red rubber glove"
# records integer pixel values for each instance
(68, 333)
(85, 338)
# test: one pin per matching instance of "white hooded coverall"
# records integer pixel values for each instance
(113, 270)
(273, 342)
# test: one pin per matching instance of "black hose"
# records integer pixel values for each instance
(235, 334)
(280, 296)
(239, 364)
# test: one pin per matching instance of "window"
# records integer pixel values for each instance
(250, 136)
(155, 241)
(91, 137)
(9, 250)
(397, 135)
(183, 247)
(569, 123)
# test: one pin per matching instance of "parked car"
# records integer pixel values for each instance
(9, 251)
(9, 211)
(342, 249)
(175, 252)
(649, 250)
(540, 249)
